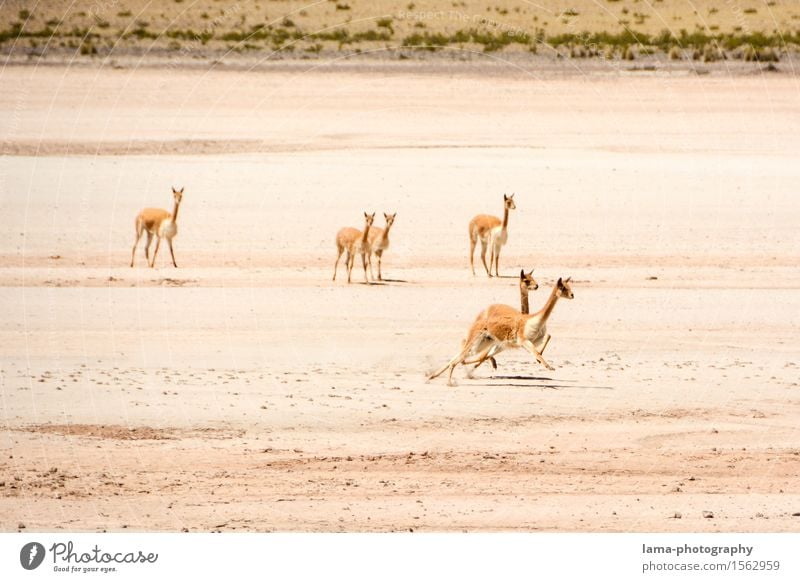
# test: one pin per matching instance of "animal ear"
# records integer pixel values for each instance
(505, 197)
(173, 189)
(365, 214)
(522, 273)
(182, 189)
(531, 273)
(560, 282)
(511, 196)
(568, 279)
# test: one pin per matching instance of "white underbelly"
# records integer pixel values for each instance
(168, 229)
(499, 236)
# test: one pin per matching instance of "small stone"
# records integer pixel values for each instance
(21, 526)
(677, 515)
(708, 514)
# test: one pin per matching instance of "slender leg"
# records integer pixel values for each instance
(364, 263)
(496, 252)
(350, 259)
(487, 354)
(469, 345)
(483, 256)
(171, 252)
(369, 262)
(480, 358)
(336, 264)
(546, 341)
(477, 345)
(530, 347)
(147, 246)
(135, 244)
(155, 252)
(489, 359)
(453, 362)
(380, 258)
(472, 242)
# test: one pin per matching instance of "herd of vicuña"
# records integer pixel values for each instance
(497, 328)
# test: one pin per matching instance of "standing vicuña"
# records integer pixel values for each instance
(500, 326)
(353, 241)
(379, 242)
(487, 228)
(158, 222)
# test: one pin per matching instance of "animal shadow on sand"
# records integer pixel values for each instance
(527, 382)
(383, 282)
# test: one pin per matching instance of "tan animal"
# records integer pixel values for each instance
(354, 242)
(159, 223)
(378, 243)
(499, 327)
(487, 228)
(526, 283)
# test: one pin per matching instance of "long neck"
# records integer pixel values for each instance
(505, 218)
(385, 235)
(523, 299)
(551, 303)
(364, 236)
(175, 212)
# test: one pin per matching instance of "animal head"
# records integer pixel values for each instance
(177, 195)
(564, 288)
(389, 219)
(526, 281)
(509, 202)
(369, 219)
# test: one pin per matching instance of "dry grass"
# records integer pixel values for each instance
(584, 28)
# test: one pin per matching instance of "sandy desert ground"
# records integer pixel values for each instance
(246, 391)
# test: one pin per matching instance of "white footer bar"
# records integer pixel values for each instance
(406, 557)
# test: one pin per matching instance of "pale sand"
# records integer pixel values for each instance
(246, 391)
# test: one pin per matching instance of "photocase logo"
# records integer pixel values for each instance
(31, 555)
